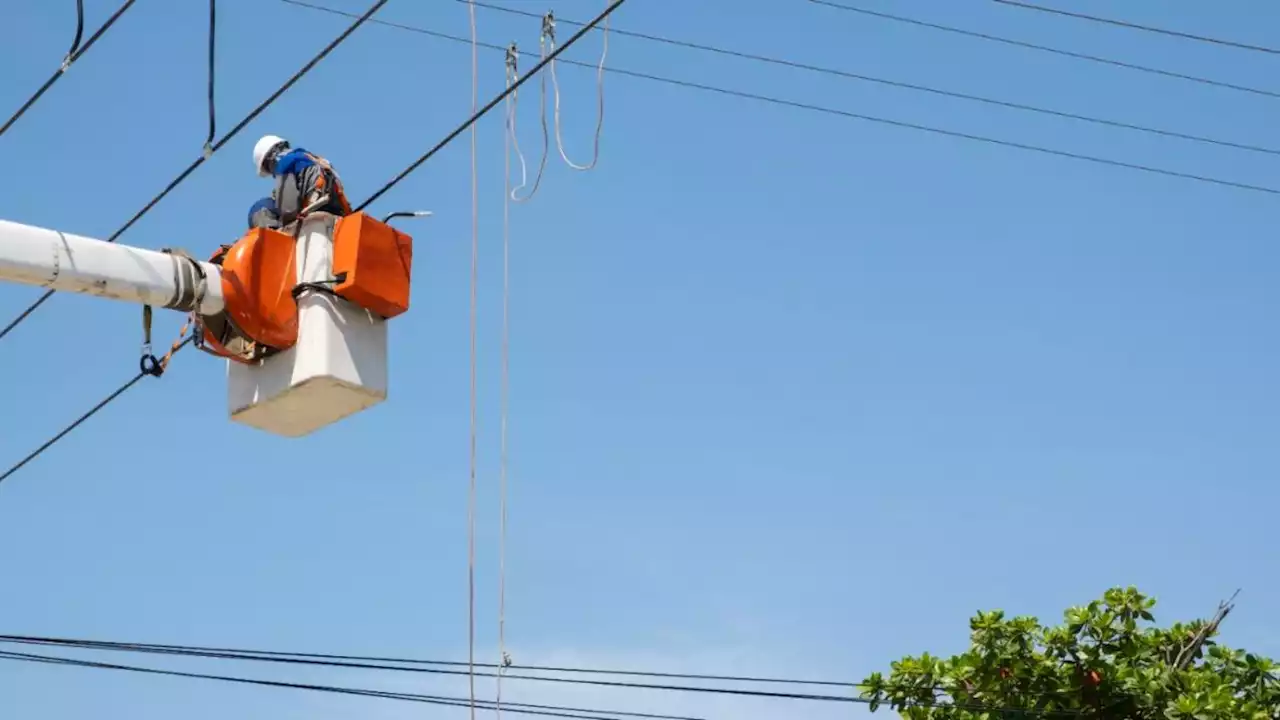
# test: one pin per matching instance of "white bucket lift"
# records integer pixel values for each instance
(338, 366)
(301, 316)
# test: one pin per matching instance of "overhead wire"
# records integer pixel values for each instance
(513, 122)
(695, 689)
(850, 115)
(1046, 48)
(76, 53)
(1138, 26)
(244, 122)
(91, 412)
(512, 72)
(475, 117)
(368, 661)
(75, 42)
(213, 118)
(915, 87)
(475, 262)
(520, 708)
(550, 33)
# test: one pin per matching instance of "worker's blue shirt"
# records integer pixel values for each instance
(293, 162)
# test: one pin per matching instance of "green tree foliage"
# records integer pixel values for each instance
(1107, 661)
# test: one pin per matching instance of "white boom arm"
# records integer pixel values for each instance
(71, 263)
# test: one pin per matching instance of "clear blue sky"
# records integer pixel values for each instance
(790, 393)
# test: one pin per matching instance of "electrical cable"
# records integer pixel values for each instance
(213, 126)
(90, 413)
(1048, 49)
(75, 43)
(475, 262)
(380, 663)
(77, 52)
(737, 692)
(782, 62)
(1144, 28)
(217, 146)
(613, 5)
(555, 84)
(513, 124)
(521, 708)
(781, 102)
(507, 192)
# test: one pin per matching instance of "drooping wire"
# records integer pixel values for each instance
(1045, 48)
(614, 5)
(92, 411)
(513, 124)
(914, 87)
(513, 72)
(521, 708)
(810, 107)
(475, 262)
(78, 51)
(244, 122)
(739, 692)
(213, 117)
(550, 32)
(1144, 28)
(75, 43)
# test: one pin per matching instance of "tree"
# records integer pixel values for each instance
(1107, 661)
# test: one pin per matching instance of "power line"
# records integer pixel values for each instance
(614, 5)
(75, 42)
(233, 653)
(1144, 28)
(422, 667)
(521, 708)
(1048, 49)
(217, 146)
(781, 102)
(77, 51)
(782, 62)
(90, 413)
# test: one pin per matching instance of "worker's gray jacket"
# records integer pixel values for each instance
(293, 193)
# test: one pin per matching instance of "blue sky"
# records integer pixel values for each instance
(790, 393)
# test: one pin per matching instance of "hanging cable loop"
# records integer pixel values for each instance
(549, 31)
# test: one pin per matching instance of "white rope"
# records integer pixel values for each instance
(549, 29)
(507, 196)
(475, 258)
(513, 133)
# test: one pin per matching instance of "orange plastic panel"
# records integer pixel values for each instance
(258, 277)
(374, 262)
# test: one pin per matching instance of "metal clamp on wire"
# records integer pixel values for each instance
(148, 364)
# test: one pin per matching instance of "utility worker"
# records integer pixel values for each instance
(302, 179)
(263, 214)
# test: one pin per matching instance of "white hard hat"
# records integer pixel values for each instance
(262, 149)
